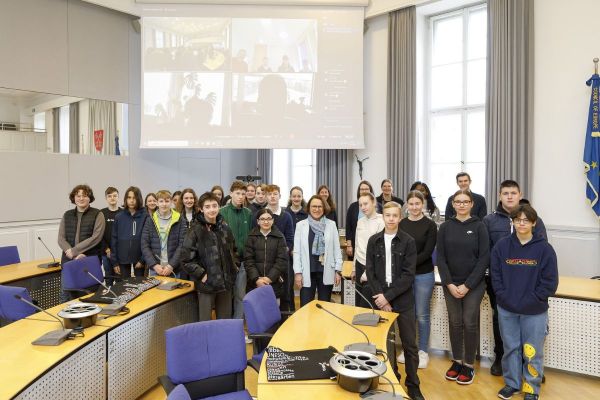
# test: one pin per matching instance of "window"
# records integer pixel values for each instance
(455, 100)
(39, 122)
(295, 167)
(64, 129)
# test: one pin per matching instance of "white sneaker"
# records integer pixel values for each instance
(400, 358)
(423, 359)
(248, 340)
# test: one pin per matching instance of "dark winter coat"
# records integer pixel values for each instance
(266, 256)
(209, 249)
(151, 241)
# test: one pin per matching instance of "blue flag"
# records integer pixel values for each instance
(591, 153)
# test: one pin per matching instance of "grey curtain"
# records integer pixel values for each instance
(56, 129)
(74, 128)
(401, 99)
(103, 117)
(333, 170)
(509, 102)
(264, 161)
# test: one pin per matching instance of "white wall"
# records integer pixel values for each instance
(374, 104)
(9, 109)
(566, 41)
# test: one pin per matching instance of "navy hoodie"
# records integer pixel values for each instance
(126, 247)
(524, 275)
(463, 252)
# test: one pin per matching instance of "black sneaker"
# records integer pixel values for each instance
(530, 396)
(496, 368)
(415, 393)
(466, 375)
(507, 392)
(453, 371)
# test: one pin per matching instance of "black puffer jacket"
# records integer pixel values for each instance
(209, 249)
(266, 256)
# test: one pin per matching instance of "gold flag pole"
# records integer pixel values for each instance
(596, 65)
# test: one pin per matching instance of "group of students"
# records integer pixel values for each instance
(505, 253)
(231, 244)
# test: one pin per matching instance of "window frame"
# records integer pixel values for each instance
(462, 110)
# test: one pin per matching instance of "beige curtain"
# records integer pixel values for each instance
(333, 170)
(401, 99)
(509, 103)
(103, 116)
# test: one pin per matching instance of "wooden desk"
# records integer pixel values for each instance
(43, 284)
(17, 272)
(570, 287)
(311, 328)
(119, 358)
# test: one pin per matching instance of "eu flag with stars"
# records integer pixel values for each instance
(591, 153)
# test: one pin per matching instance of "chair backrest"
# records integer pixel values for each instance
(74, 277)
(12, 309)
(261, 309)
(179, 393)
(202, 350)
(9, 255)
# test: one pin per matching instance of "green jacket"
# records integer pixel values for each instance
(240, 223)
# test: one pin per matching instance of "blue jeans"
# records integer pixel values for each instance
(523, 337)
(108, 270)
(423, 288)
(307, 294)
(239, 291)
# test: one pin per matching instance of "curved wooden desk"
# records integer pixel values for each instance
(311, 328)
(570, 287)
(42, 283)
(119, 358)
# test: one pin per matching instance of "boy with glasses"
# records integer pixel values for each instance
(499, 225)
(524, 274)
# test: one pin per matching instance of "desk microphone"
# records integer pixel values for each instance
(366, 347)
(53, 338)
(109, 309)
(367, 319)
(374, 396)
(52, 264)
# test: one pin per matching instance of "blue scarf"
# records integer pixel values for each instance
(318, 227)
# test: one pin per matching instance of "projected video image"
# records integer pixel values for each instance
(184, 100)
(272, 102)
(274, 45)
(183, 44)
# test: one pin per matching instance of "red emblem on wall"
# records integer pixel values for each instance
(99, 139)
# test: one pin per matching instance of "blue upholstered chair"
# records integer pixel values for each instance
(208, 358)
(12, 309)
(78, 283)
(9, 255)
(263, 317)
(179, 393)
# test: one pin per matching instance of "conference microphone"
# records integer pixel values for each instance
(366, 347)
(52, 264)
(367, 319)
(375, 396)
(109, 309)
(53, 338)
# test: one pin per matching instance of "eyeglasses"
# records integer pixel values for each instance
(462, 203)
(316, 206)
(521, 221)
(265, 219)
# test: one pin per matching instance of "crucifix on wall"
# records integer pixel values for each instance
(360, 166)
